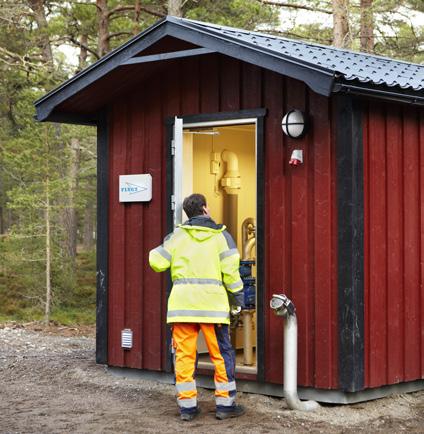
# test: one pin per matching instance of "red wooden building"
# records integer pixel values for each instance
(341, 234)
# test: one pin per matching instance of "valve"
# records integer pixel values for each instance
(282, 305)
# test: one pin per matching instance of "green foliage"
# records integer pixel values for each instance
(74, 316)
(34, 169)
(75, 307)
(316, 32)
(246, 14)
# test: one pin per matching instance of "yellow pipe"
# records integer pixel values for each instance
(231, 179)
(247, 249)
(247, 337)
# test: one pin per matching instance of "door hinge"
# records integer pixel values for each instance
(173, 202)
(172, 147)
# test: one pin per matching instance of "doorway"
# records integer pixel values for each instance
(219, 159)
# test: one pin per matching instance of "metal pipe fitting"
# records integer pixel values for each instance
(247, 337)
(283, 306)
(247, 249)
(248, 227)
(230, 182)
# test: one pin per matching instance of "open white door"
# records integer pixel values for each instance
(177, 153)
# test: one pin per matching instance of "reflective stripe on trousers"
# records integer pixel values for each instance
(217, 338)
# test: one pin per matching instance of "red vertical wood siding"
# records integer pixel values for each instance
(393, 177)
(300, 256)
(277, 265)
(134, 238)
(302, 226)
(153, 284)
(421, 132)
(324, 234)
(117, 247)
(395, 306)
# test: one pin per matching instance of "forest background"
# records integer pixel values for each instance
(48, 171)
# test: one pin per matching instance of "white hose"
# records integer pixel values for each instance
(290, 367)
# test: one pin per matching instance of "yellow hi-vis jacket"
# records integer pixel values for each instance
(204, 265)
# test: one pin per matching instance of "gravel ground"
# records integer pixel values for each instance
(50, 383)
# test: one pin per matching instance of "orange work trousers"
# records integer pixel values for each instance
(222, 354)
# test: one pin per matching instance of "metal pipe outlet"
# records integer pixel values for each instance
(247, 337)
(230, 214)
(284, 307)
(231, 184)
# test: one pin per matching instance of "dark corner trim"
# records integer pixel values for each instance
(350, 221)
(169, 128)
(260, 246)
(102, 240)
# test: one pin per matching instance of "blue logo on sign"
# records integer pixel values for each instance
(133, 188)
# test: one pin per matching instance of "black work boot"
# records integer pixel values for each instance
(235, 411)
(187, 417)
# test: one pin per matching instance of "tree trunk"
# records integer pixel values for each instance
(88, 239)
(137, 14)
(48, 255)
(69, 217)
(73, 180)
(103, 27)
(2, 231)
(83, 54)
(175, 8)
(37, 7)
(3, 190)
(341, 36)
(367, 26)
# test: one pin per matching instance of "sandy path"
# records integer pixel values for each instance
(49, 383)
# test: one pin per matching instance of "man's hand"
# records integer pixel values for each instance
(234, 316)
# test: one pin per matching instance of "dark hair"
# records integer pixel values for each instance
(193, 205)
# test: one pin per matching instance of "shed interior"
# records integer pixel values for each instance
(220, 161)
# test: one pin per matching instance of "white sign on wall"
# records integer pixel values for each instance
(135, 188)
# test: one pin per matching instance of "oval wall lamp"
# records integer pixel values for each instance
(293, 124)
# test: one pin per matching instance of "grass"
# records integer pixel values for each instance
(74, 316)
(22, 315)
(79, 307)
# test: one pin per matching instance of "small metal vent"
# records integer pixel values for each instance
(127, 338)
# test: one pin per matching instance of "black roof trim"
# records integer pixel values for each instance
(352, 65)
(47, 103)
(168, 56)
(387, 93)
(324, 69)
(318, 78)
(100, 61)
(73, 118)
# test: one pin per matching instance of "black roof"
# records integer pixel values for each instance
(352, 65)
(324, 69)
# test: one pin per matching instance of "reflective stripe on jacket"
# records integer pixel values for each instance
(204, 265)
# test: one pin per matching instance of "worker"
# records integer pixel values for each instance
(204, 263)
